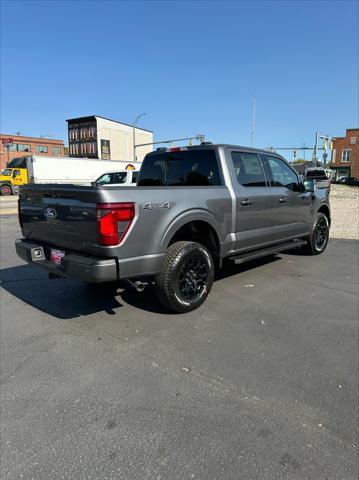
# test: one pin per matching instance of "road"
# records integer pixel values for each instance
(8, 205)
(259, 383)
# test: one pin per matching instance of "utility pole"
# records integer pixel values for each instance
(253, 122)
(134, 134)
(315, 148)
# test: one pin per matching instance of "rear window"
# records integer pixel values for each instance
(317, 174)
(183, 168)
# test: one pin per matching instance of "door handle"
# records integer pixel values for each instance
(246, 202)
(282, 200)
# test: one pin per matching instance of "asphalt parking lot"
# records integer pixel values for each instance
(259, 383)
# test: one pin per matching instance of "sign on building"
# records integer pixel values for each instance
(7, 142)
(105, 150)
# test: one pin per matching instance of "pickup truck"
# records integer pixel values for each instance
(123, 179)
(192, 207)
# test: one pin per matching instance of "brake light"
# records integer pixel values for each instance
(113, 221)
(19, 213)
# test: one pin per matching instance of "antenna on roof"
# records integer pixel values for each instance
(253, 122)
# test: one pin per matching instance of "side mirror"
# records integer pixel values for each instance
(309, 185)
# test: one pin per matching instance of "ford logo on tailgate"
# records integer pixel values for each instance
(50, 212)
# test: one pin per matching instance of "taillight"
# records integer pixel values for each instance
(113, 221)
(176, 149)
(19, 212)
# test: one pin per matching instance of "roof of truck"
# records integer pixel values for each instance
(210, 146)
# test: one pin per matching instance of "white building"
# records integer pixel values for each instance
(99, 137)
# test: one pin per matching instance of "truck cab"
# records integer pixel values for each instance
(11, 179)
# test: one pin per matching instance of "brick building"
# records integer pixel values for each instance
(345, 154)
(25, 146)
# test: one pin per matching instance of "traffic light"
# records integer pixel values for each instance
(294, 153)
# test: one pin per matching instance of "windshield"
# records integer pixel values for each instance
(6, 172)
(112, 178)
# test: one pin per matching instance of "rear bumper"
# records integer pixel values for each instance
(73, 265)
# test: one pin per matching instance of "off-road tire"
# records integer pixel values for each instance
(170, 282)
(312, 247)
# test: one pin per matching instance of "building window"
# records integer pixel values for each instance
(20, 147)
(56, 150)
(41, 149)
(346, 154)
(23, 148)
(334, 154)
(353, 140)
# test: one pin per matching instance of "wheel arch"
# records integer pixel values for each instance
(326, 211)
(196, 226)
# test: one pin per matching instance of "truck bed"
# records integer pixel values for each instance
(74, 225)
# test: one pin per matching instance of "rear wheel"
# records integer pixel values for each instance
(318, 239)
(5, 190)
(186, 276)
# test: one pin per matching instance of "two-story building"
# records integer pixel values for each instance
(345, 154)
(20, 146)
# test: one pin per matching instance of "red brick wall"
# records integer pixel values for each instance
(33, 142)
(343, 143)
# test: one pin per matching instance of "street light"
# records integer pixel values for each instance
(134, 134)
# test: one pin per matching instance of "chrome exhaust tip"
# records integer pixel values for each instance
(138, 285)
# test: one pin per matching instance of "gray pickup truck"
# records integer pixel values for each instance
(192, 207)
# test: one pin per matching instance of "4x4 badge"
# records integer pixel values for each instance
(156, 205)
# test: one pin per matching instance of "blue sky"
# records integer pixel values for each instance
(192, 66)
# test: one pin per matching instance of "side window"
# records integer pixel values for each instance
(104, 179)
(134, 177)
(249, 170)
(281, 175)
(119, 177)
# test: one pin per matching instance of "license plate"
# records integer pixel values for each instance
(56, 256)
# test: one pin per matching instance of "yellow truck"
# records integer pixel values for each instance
(11, 178)
(40, 169)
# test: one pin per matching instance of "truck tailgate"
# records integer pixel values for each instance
(60, 215)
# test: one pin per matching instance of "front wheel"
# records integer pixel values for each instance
(318, 239)
(5, 190)
(186, 276)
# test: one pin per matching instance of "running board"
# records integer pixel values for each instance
(244, 257)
